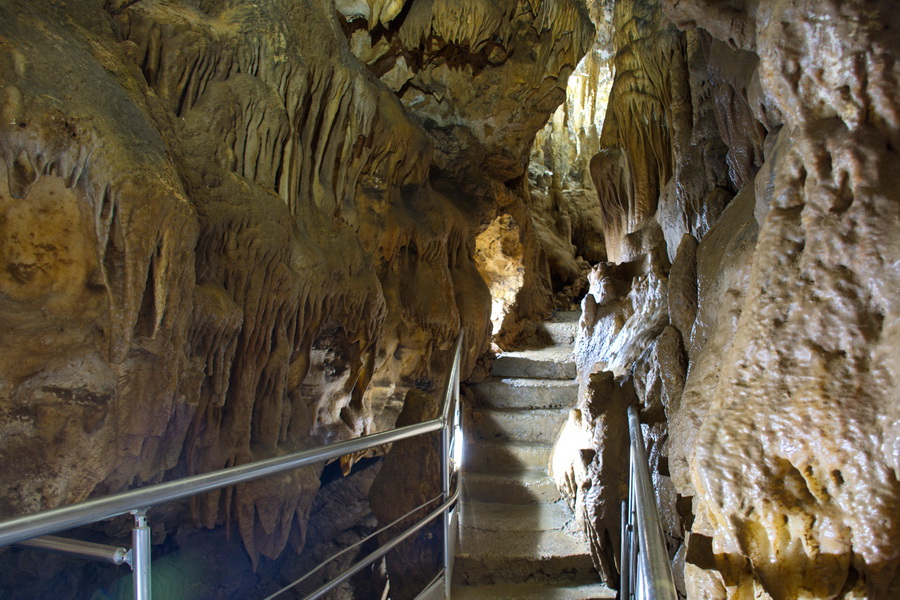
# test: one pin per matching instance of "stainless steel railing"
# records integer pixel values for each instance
(646, 573)
(28, 529)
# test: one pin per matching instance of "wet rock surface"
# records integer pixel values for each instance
(741, 174)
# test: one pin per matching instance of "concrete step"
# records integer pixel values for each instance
(498, 392)
(528, 425)
(563, 327)
(505, 456)
(555, 362)
(530, 591)
(494, 557)
(566, 316)
(500, 516)
(525, 486)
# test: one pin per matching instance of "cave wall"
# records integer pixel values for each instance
(562, 198)
(747, 180)
(234, 230)
(808, 388)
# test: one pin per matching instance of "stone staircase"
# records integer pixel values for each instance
(518, 539)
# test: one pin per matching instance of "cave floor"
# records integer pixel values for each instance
(518, 538)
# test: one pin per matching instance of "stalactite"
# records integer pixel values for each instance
(261, 219)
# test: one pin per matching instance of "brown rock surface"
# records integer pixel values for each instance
(410, 477)
(225, 237)
(796, 418)
(768, 136)
(448, 59)
(587, 466)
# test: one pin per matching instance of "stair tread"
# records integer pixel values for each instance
(503, 456)
(502, 516)
(523, 444)
(562, 329)
(511, 447)
(547, 411)
(522, 392)
(517, 367)
(560, 353)
(524, 486)
(535, 364)
(524, 476)
(532, 591)
(514, 423)
(565, 316)
(534, 546)
(529, 382)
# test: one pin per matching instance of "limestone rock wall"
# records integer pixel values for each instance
(746, 179)
(234, 230)
(447, 60)
(483, 77)
(807, 391)
(562, 196)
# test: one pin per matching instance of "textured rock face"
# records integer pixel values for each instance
(595, 482)
(563, 198)
(483, 76)
(755, 151)
(234, 230)
(807, 391)
(448, 59)
(499, 257)
(75, 185)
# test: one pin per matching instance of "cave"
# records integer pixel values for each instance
(232, 231)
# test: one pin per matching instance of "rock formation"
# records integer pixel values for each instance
(811, 505)
(410, 478)
(745, 180)
(235, 230)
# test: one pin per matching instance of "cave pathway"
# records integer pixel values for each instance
(518, 538)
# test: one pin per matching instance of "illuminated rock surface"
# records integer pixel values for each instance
(752, 147)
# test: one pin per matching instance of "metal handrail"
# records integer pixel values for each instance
(646, 572)
(451, 418)
(79, 548)
(354, 546)
(387, 547)
(41, 523)
(138, 501)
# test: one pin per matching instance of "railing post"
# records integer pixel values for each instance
(654, 572)
(446, 434)
(450, 420)
(625, 566)
(634, 544)
(140, 556)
